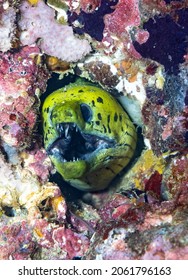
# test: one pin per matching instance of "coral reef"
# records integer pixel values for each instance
(158, 236)
(126, 79)
(135, 49)
(21, 81)
(38, 21)
(21, 186)
(165, 114)
(25, 239)
(92, 23)
(16, 240)
(155, 217)
(8, 29)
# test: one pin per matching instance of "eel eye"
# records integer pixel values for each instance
(86, 112)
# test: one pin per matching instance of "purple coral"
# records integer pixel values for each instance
(38, 24)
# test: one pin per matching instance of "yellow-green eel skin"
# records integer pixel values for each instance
(103, 123)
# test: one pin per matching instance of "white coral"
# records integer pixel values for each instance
(20, 187)
(7, 27)
(37, 22)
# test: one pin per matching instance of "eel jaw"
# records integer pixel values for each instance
(73, 145)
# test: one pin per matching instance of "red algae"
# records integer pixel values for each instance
(153, 184)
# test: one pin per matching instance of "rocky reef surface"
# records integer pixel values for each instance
(138, 51)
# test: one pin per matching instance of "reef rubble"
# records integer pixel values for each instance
(135, 49)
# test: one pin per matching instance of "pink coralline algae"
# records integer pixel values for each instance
(37, 161)
(37, 22)
(126, 14)
(22, 239)
(21, 80)
(16, 241)
(58, 242)
(124, 23)
(177, 192)
(159, 232)
(108, 22)
(72, 243)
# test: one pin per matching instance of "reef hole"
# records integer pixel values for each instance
(8, 211)
(71, 193)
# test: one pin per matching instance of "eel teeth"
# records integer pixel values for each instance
(66, 131)
(62, 129)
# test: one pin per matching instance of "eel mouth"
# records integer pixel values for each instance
(74, 145)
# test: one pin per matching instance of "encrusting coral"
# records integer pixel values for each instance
(38, 21)
(134, 49)
(8, 27)
(21, 81)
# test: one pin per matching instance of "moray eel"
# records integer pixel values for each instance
(88, 135)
